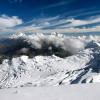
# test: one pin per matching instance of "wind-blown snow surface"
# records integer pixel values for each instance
(68, 92)
(82, 66)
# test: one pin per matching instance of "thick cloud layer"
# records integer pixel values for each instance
(33, 45)
(42, 44)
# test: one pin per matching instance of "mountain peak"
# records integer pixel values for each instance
(93, 44)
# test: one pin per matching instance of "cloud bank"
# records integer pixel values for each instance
(46, 45)
(40, 44)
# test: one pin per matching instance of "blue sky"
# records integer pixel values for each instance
(49, 15)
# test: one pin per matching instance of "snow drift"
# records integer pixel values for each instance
(55, 60)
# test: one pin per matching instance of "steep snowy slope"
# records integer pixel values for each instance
(81, 67)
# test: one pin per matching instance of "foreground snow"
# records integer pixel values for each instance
(68, 92)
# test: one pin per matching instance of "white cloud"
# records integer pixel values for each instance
(68, 23)
(61, 25)
(57, 22)
(41, 22)
(76, 22)
(47, 25)
(8, 22)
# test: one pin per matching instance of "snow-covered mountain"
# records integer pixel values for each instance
(82, 66)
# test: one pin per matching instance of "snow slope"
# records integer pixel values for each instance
(82, 67)
(68, 92)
